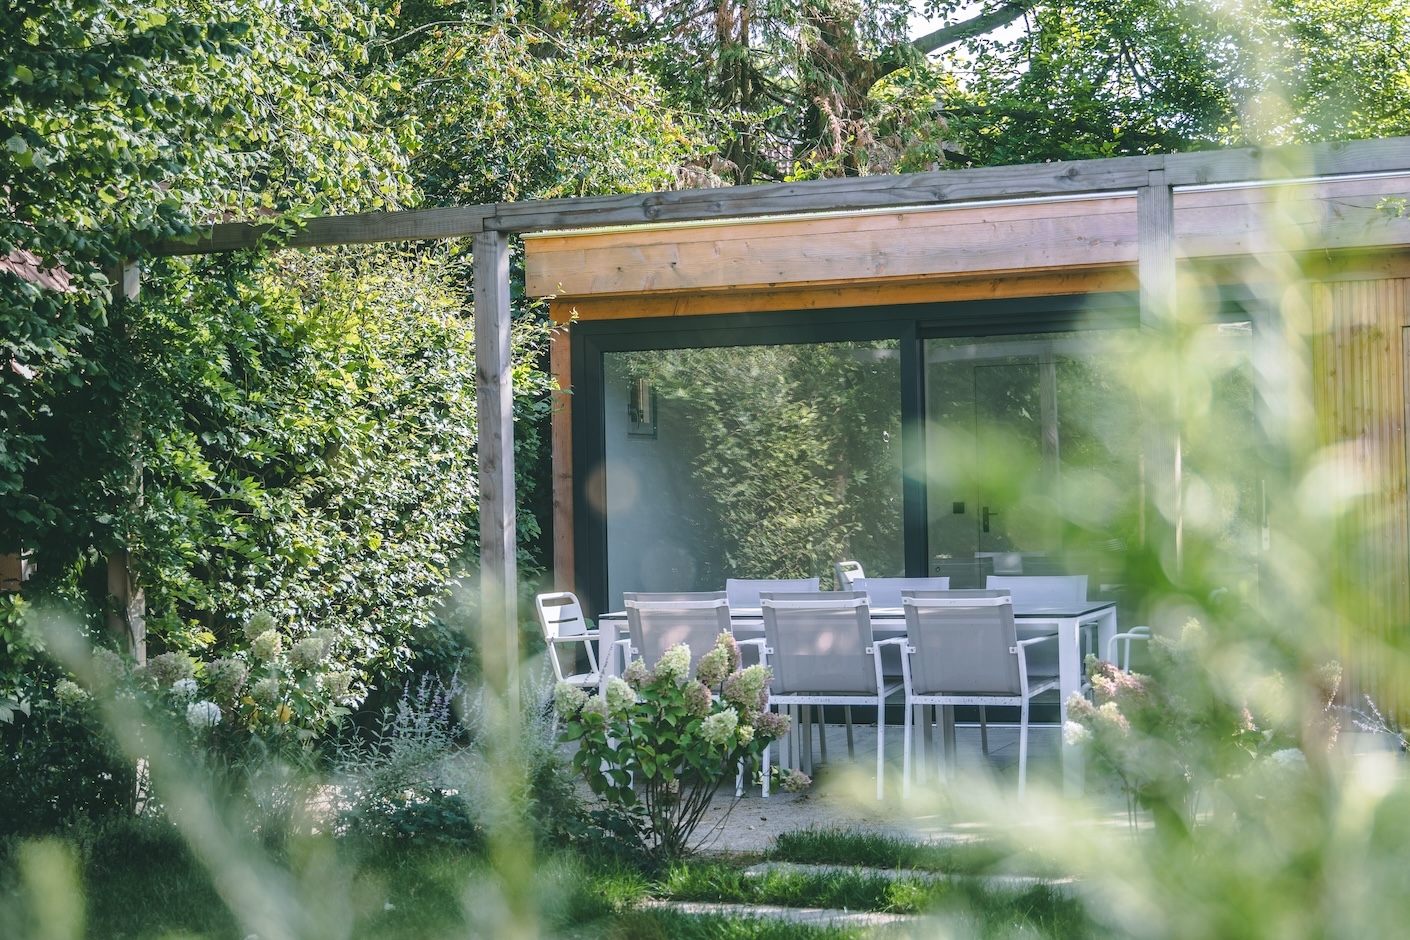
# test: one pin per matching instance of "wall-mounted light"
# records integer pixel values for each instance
(641, 409)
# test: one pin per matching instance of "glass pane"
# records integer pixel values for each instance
(751, 462)
(1033, 457)
(1222, 461)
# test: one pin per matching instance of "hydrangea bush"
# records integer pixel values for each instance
(1183, 731)
(660, 743)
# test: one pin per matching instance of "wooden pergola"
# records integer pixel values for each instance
(1153, 180)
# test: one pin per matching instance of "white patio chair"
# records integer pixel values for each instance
(962, 648)
(1041, 590)
(883, 592)
(1050, 591)
(846, 571)
(744, 593)
(656, 622)
(886, 592)
(561, 619)
(1141, 634)
(820, 648)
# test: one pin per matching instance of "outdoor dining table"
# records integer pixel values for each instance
(1031, 620)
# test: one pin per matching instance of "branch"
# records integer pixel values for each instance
(897, 58)
(974, 26)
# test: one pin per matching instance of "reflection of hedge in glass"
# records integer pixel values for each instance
(796, 450)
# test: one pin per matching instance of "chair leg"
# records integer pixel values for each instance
(880, 747)
(851, 751)
(1022, 749)
(795, 751)
(807, 740)
(947, 720)
(925, 713)
(983, 731)
(765, 761)
(822, 734)
(906, 750)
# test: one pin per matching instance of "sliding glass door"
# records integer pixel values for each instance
(750, 462)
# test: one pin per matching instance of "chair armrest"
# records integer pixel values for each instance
(578, 638)
(1037, 639)
(890, 641)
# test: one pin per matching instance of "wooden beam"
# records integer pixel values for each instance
(1160, 397)
(868, 192)
(876, 293)
(561, 447)
(942, 186)
(1114, 174)
(325, 231)
(1155, 251)
(494, 394)
(1336, 158)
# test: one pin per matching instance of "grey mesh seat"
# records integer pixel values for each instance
(820, 648)
(656, 622)
(886, 592)
(963, 649)
(1050, 591)
(846, 572)
(1041, 590)
(744, 592)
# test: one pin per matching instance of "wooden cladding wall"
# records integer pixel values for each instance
(1050, 236)
(1359, 374)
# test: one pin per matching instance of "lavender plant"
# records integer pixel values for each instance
(660, 743)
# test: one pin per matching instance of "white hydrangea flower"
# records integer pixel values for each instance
(267, 645)
(567, 698)
(718, 728)
(184, 688)
(1074, 734)
(674, 664)
(620, 696)
(202, 715)
(69, 692)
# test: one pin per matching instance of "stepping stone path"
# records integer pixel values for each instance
(821, 916)
(1064, 886)
(817, 916)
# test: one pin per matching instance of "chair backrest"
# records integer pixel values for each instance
(819, 641)
(847, 572)
(886, 592)
(1043, 591)
(745, 593)
(965, 574)
(965, 642)
(656, 622)
(560, 614)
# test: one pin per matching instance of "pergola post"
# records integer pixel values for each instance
(127, 604)
(1155, 228)
(499, 615)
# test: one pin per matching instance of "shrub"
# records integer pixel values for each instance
(660, 744)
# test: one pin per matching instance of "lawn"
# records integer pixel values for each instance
(137, 878)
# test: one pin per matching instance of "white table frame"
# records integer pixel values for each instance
(1066, 621)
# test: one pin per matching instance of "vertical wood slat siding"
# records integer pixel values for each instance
(1360, 382)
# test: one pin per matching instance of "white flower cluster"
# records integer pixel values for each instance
(202, 715)
(620, 696)
(1074, 734)
(718, 728)
(674, 664)
(184, 688)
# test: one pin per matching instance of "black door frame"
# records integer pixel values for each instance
(910, 324)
